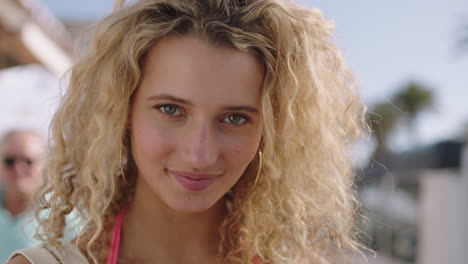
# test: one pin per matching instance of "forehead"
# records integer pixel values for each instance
(189, 67)
(23, 144)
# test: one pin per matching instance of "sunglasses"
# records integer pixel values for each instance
(11, 161)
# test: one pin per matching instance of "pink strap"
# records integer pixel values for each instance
(115, 244)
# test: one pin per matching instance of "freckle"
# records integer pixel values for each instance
(190, 197)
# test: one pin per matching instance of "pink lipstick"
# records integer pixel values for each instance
(192, 181)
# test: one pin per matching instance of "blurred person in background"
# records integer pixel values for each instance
(22, 159)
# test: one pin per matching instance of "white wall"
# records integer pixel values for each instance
(29, 96)
(464, 186)
(442, 230)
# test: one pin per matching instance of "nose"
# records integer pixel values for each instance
(200, 147)
(21, 168)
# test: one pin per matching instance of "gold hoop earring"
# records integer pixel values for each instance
(122, 172)
(125, 180)
(259, 168)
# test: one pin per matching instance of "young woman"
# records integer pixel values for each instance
(208, 131)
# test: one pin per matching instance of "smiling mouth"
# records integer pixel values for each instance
(193, 181)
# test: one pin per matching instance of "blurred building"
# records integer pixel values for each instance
(417, 204)
(29, 33)
(35, 52)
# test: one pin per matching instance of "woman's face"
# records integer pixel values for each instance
(195, 121)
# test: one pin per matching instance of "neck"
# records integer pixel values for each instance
(16, 203)
(154, 233)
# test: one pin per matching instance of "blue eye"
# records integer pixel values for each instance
(235, 119)
(171, 110)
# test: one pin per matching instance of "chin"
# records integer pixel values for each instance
(194, 205)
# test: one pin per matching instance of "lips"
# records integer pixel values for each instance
(193, 181)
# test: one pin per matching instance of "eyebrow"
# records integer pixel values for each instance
(170, 98)
(246, 108)
(242, 108)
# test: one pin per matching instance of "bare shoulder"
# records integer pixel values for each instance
(19, 259)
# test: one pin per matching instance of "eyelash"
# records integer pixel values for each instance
(177, 108)
(246, 118)
(161, 109)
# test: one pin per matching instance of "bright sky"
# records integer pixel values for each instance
(386, 43)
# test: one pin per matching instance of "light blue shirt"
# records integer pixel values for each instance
(15, 232)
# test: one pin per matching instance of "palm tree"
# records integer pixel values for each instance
(464, 132)
(413, 98)
(463, 42)
(382, 119)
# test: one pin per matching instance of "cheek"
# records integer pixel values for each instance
(7, 176)
(150, 142)
(37, 171)
(241, 152)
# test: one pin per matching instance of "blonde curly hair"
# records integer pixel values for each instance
(301, 205)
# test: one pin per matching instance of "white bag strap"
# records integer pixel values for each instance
(49, 255)
(37, 255)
